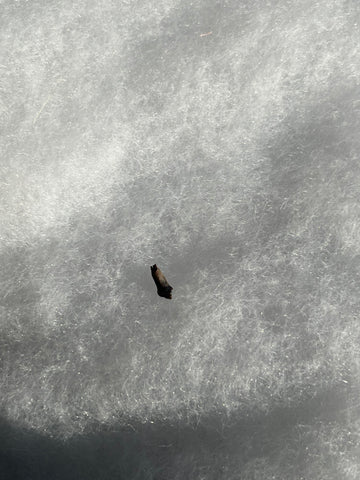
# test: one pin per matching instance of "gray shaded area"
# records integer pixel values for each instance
(220, 141)
(211, 448)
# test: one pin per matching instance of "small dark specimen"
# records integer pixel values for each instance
(163, 288)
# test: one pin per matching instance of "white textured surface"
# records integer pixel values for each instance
(230, 159)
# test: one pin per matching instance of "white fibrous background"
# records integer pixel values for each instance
(219, 140)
